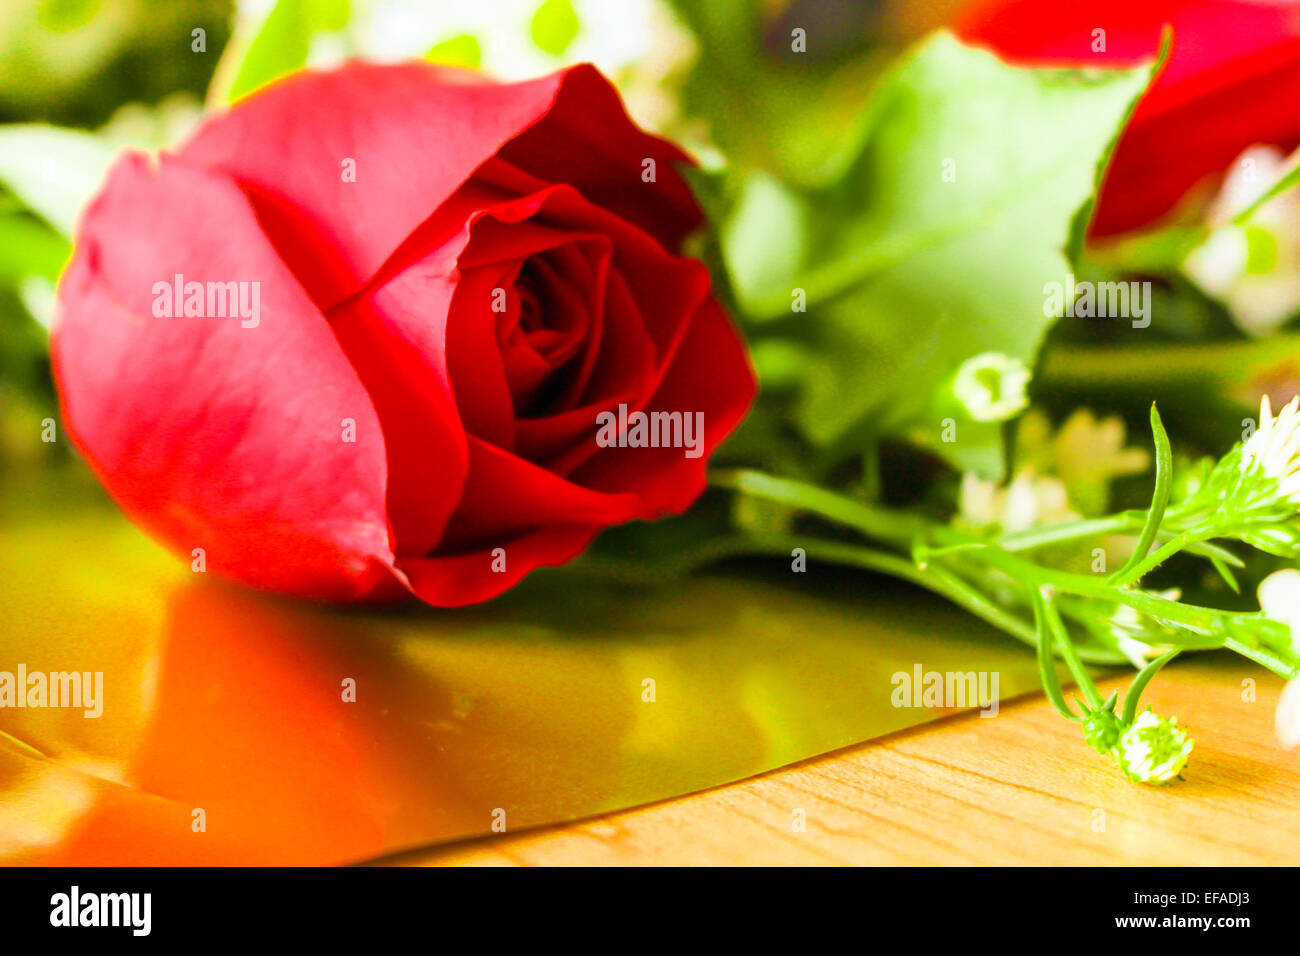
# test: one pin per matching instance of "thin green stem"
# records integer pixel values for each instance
(1122, 523)
(1046, 659)
(1133, 573)
(1159, 497)
(1057, 627)
(933, 578)
(1193, 618)
(882, 524)
(1265, 657)
(1134, 693)
(906, 530)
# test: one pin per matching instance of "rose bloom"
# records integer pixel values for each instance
(353, 340)
(1232, 81)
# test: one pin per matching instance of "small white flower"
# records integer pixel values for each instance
(991, 386)
(1279, 597)
(1253, 268)
(1275, 447)
(1152, 749)
(1286, 722)
(1029, 500)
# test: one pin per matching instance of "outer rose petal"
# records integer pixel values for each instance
(710, 373)
(539, 518)
(212, 435)
(1232, 80)
(416, 132)
(461, 579)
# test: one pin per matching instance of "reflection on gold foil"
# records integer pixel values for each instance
(39, 804)
(244, 728)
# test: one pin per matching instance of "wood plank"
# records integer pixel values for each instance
(1019, 788)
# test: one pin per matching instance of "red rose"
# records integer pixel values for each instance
(1232, 80)
(363, 330)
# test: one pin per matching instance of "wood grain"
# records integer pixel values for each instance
(1019, 788)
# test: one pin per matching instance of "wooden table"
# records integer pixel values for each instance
(1020, 788)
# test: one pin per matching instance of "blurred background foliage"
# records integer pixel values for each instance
(799, 172)
(82, 79)
(114, 67)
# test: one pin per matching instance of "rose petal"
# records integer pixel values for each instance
(709, 372)
(415, 133)
(212, 435)
(588, 141)
(1233, 69)
(460, 579)
(537, 517)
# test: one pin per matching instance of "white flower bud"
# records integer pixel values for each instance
(1152, 749)
(991, 386)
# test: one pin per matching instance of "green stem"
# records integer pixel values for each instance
(1159, 498)
(938, 580)
(1122, 523)
(1265, 657)
(1216, 367)
(1134, 693)
(1135, 572)
(906, 530)
(1066, 647)
(881, 524)
(1047, 659)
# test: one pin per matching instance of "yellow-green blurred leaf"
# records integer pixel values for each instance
(283, 43)
(29, 247)
(463, 51)
(554, 26)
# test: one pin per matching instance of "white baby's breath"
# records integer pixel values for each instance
(1154, 750)
(1286, 720)
(991, 386)
(1274, 449)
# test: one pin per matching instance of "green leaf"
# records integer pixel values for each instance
(29, 247)
(1046, 663)
(765, 239)
(554, 26)
(1140, 684)
(1159, 498)
(54, 171)
(946, 228)
(1074, 247)
(767, 107)
(463, 51)
(283, 42)
(1226, 573)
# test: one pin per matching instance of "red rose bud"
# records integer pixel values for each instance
(1232, 80)
(357, 336)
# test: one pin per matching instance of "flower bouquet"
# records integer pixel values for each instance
(410, 308)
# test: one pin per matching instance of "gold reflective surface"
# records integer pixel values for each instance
(228, 732)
